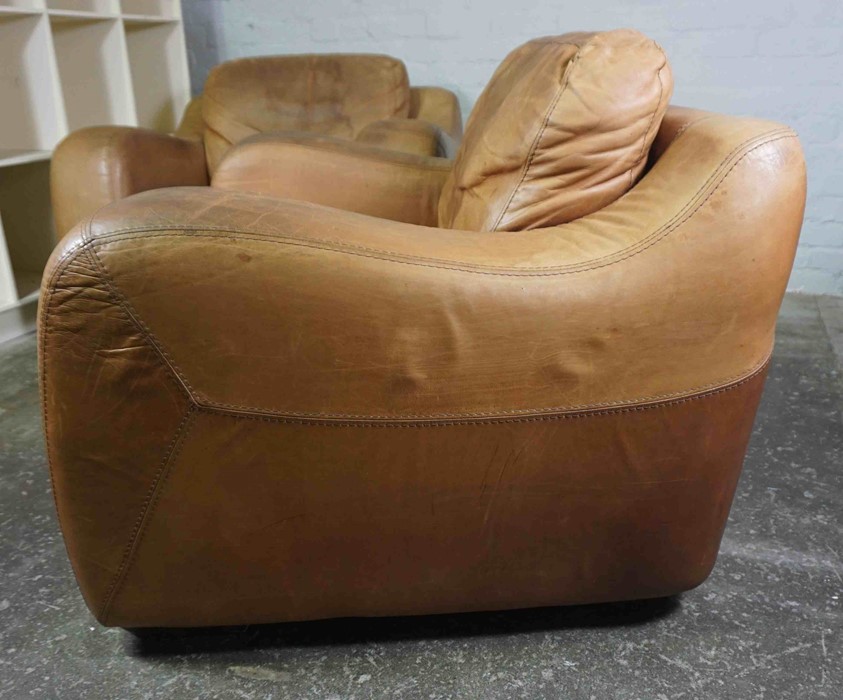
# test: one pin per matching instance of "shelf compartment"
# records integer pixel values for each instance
(167, 9)
(27, 221)
(159, 73)
(93, 71)
(32, 115)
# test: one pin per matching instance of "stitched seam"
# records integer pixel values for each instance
(147, 510)
(490, 414)
(534, 146)
(652, 118)
(45, 324)
(493, 421)
(173, 372)
(680, 218)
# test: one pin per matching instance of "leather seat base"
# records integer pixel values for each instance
(255, 519)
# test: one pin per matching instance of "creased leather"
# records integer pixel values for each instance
(562, 129)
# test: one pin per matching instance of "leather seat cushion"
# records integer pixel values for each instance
(562, 129)
(331, 94)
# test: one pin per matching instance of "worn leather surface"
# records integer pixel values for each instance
(562, 129)
(330, 94)
(262, 409)
(98, 165)
(346, 175)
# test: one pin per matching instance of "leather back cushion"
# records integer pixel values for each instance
(332, 94)
(562, 129)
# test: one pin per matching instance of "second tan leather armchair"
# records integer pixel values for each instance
(359, 98)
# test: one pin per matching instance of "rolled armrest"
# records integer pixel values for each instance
(437, 106)
(342, 174)
(408, 136)
(626, 303)
(98, 165)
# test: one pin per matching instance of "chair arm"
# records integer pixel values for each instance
(98, 165)
(334, 172)
(408, 136)
(648, 297)
(437, 106)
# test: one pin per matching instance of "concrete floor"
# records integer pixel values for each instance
(767, 624)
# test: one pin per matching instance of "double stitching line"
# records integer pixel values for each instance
(445, 420)
(147, 511)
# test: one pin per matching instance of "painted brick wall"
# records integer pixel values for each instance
(779, 59)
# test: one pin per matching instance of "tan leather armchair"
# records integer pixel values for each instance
(260, 409)
(362, 98)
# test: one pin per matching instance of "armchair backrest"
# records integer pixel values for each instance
(330, 94)
(562, 129)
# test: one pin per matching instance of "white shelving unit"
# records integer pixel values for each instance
(64, 65)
